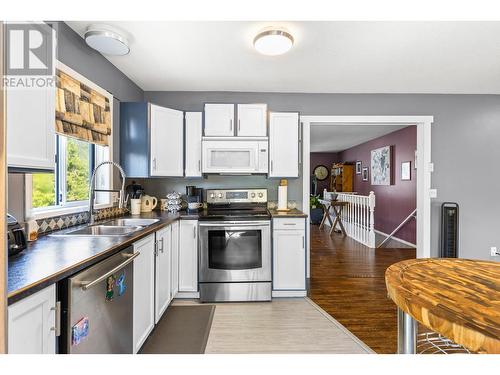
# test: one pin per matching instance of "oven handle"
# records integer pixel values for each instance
(237, 224)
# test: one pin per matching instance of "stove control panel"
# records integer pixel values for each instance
(237, 196)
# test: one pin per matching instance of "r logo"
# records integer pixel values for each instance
(29, 49)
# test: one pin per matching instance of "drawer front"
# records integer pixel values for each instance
(289, 223)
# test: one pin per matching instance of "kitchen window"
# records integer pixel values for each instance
(67, 189)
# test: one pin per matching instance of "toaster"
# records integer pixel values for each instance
(16, 236)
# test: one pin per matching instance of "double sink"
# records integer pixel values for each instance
(112, 228)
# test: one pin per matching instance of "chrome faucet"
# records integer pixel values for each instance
(121, 201)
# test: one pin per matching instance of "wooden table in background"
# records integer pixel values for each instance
(337, 207)
(457, 298)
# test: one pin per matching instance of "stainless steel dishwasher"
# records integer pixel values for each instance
(98, 307)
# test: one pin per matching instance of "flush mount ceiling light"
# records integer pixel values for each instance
(106, 40)
(273, 42)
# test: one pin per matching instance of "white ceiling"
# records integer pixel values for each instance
(336, 138)
(333, 57)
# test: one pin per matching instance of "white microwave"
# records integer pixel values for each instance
(235, 155)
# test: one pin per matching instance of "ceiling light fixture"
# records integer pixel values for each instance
(273, 41)
(106, 40)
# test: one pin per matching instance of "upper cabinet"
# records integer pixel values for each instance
(193, 144)
(252, 120)
(284, 146)
(219, 120)
(151, 140)
(167, 142)
(30, 128)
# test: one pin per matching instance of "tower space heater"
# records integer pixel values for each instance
(449, 230)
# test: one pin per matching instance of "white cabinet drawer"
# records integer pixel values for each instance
(289, 223)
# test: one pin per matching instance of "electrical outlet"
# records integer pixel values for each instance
(494, 252)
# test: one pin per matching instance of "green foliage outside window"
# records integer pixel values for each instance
(77, 174)
(43, 190)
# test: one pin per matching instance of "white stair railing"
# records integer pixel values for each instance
(358, 216)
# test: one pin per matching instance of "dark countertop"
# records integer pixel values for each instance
(51, 259)
(292, 213)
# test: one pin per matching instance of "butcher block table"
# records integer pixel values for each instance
(457, 298)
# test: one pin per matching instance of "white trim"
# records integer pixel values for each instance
(288, 293)
(396, 238)
(423, 124)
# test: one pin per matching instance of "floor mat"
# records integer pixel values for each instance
(181, 330)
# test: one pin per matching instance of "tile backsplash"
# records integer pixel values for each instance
(51, 224)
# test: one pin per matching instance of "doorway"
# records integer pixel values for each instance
(347, 276)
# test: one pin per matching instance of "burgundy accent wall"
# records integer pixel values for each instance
(394, 202)
(326, 159)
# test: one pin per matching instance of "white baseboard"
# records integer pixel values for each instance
(188, 295)
(289, 293)
(396, 239)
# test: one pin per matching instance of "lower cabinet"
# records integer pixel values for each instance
(289, 258)
(163, 271)
(32, 323)
(188, 257)
(174, 287)
(144, 290)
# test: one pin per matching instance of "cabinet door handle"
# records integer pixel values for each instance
(194, 232)
(199, 165)
(154, 164)
(231, 125)
(272, 166)
(161, 240)
(303, 242)
(289, 223)
(239, 125)
(57, 312)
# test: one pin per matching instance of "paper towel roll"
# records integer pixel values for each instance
(282, 198)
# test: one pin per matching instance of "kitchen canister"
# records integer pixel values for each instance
(135, 206)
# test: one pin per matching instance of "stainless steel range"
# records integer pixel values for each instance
(235, 246)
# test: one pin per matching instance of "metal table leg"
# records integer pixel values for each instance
(407, 333)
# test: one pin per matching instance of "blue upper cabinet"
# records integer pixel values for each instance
(151, 140)
(134, 139)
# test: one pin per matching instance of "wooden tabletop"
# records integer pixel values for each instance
(458, 298)
(333, 203)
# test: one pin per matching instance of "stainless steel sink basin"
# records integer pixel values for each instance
(131, 222)
(101, 230)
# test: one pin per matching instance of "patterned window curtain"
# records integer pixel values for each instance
(81, 112)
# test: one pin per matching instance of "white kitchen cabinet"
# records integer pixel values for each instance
(252, 120)
(30, 128)
(163, 271)
(175, 259)
(284, 144)
(193, 144)
(188, 256)
(167, 142)
(144, 290)
(32, 323)
(219, 120)
(289, 258)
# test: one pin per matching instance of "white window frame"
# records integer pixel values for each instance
(80, 206)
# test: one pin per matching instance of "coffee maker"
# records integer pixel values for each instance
(194, 198)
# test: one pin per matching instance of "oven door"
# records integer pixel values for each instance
(235, 251)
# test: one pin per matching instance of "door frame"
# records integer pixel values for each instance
(423, 164)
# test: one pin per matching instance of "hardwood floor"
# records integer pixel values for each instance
(347, 281)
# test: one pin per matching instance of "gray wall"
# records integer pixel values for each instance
(74, 52)
(465, 147)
